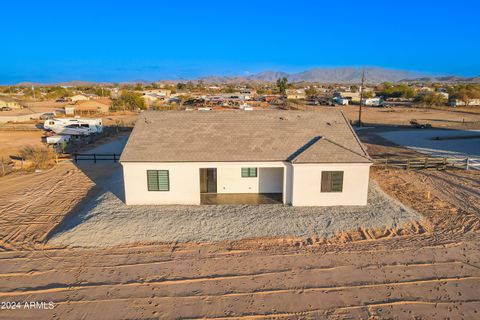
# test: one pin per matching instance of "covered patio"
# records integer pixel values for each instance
(241, 198)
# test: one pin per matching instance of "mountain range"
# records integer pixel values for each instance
(323, 75)
(345, 75)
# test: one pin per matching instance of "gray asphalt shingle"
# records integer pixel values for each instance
(270, 135)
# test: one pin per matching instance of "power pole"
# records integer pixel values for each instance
(33, 90)
(361, 99)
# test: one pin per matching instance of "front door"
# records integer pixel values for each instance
(208, 180)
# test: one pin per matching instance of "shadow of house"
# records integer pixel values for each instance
(107, 177)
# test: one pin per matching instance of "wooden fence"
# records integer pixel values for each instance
(428, 163)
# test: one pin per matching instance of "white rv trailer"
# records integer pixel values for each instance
(57, 139)
(74, 126)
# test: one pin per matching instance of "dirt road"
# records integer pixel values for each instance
(238, 281)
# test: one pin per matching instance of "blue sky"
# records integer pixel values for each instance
(50, 41)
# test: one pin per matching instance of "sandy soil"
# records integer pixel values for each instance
(433, 275)
(401, 116)
(12, 141)
(430, 275)
(31, 205)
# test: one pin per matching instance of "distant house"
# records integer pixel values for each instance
(79, 97)
(154, 95)
(295, 94)
(302, 158)
(351, 96)
(69, 110)
(459, 103)
(94, 106)
(92, 96)
(10, 103)
(237, 96)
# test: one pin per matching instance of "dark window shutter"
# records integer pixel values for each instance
(163, 180)
(337, 181)
(332, 181)
(152, 180)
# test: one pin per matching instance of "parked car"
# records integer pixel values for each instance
(419, 124)
(5, 109)
(47, 116)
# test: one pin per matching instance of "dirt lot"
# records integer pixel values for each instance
(427, 275)
(12, 141)
(401, 116)
(430, 275)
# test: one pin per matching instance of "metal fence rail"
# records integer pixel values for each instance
(428, 163)
(96, 157)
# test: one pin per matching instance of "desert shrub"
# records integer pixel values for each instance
(37, 157)
(5, 167)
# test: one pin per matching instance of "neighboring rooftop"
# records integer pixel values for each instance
(270, 135)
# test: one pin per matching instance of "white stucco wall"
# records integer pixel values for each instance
(184, 184)
(307, 183)
(299, 183)
(185, 180)
(270, 180)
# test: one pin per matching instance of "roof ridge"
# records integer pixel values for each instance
(355, 136)
(339, 145)
(304, 148)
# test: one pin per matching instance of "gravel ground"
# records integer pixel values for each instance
(106, 221)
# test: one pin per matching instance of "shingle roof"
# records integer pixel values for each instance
(273, 135)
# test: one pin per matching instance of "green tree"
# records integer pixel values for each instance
(181, 86)
(465, 93)
(367, 94)
(432, 99)
(389, 90)
(311, 92)
(129, 100)
(282, 84)
(230, 88)
(190, 86)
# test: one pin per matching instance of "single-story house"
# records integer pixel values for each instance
(94, 106)
(295, 94)
(302, 158)
(10, 103)
(349, 95)
(79, 97)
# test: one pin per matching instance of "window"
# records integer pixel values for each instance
(249, 172)
(332, 181)
(158, 180)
